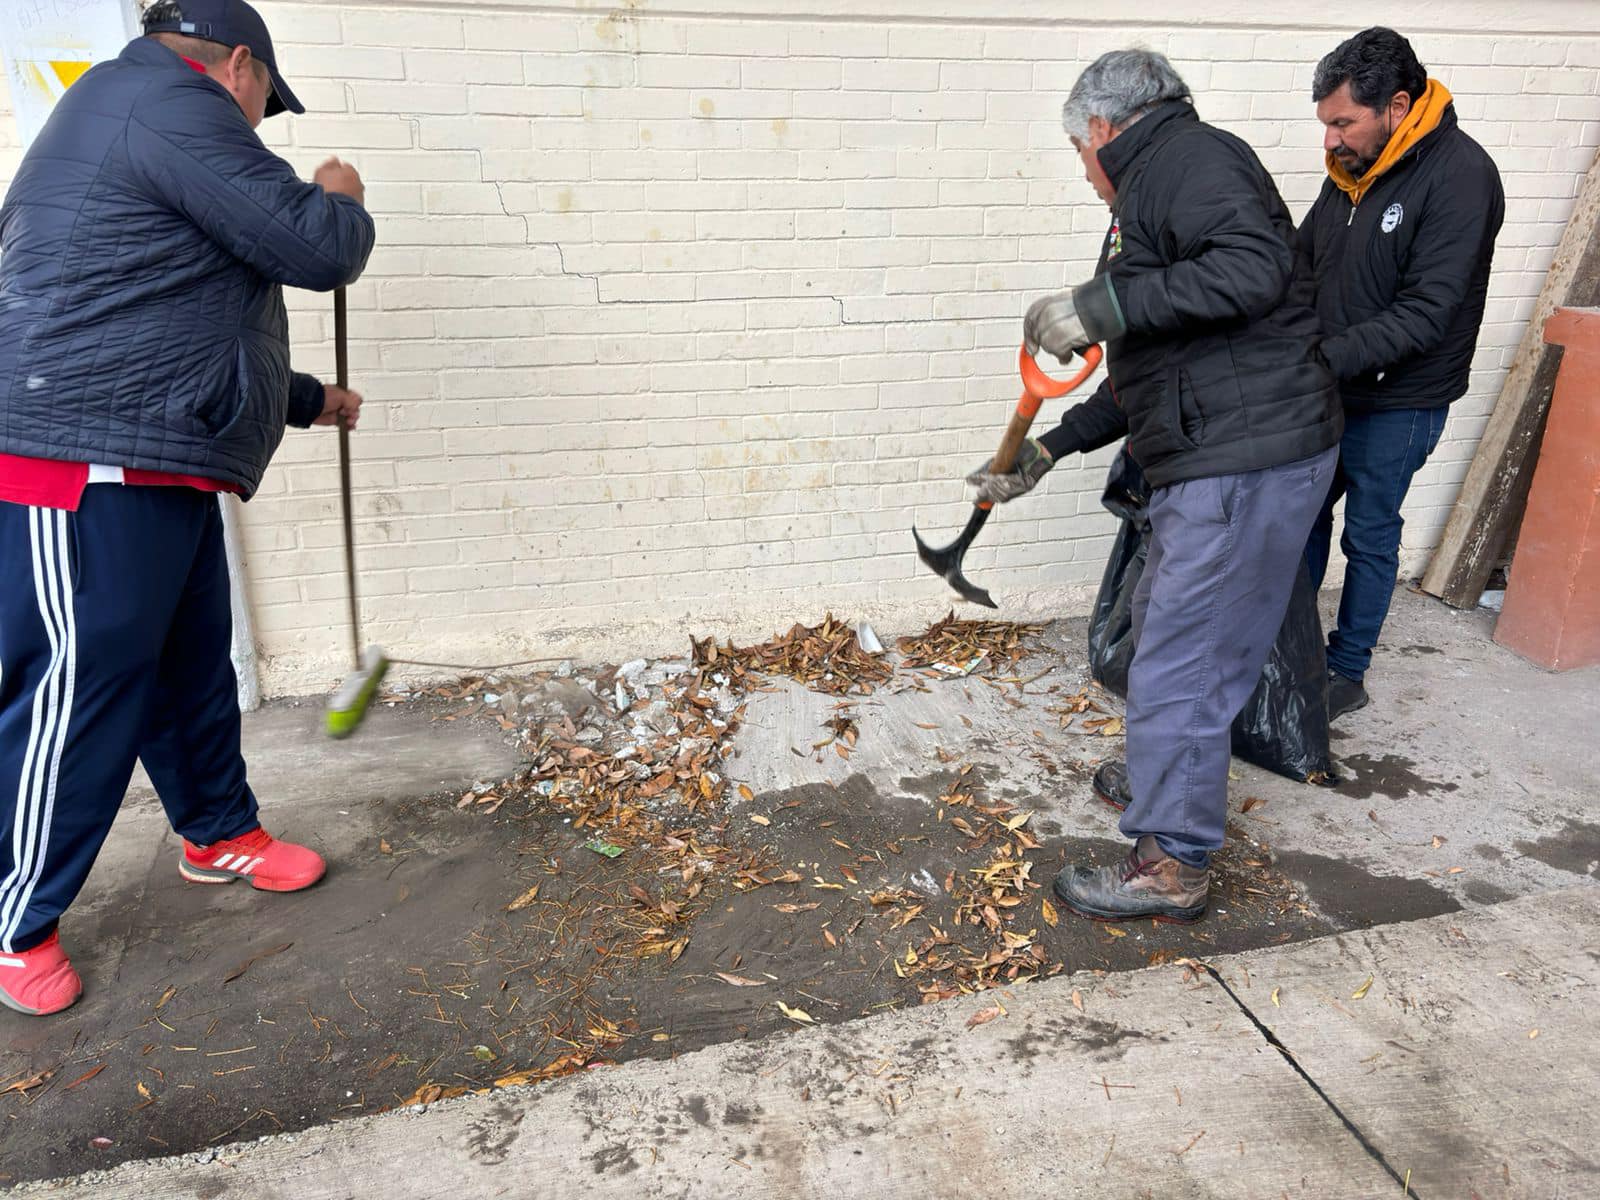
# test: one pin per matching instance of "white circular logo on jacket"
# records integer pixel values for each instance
(1392, 217)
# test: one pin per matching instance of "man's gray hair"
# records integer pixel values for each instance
(1120, 87)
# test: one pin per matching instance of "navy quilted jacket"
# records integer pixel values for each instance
(144, 246)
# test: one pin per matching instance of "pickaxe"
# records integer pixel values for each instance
(1037, 387)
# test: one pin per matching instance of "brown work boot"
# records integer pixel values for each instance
(1147, 884)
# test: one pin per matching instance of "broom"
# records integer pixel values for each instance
(348, 705)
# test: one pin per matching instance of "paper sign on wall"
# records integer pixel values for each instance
(48, 44)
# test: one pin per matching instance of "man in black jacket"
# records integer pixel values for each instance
(1400, 241)
(1215, 382)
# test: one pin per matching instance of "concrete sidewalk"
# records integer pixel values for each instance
(1453, 1056)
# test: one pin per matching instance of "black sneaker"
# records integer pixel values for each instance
(1111, 784)
(1345, 695)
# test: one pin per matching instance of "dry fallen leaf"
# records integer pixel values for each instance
(740, 980)
(1361, 992)
(760, 820)
(797, 908)
(1251, 802)
(983, 1016)
(1275, 1003)
(1016, 823)
(796, 1014)
(252, 960)
(25, 1086)
(144, 1091)
(1533, 1033)
(744, 790)
(1455, 870)
(384, 847)
(1115, 932)
(522, 901)
(1048, 911)
(165, 996)
(1077, 999)
(85, 1077)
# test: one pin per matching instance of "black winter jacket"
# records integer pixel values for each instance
(144, 245)
(1402, 276)
(1218, 372)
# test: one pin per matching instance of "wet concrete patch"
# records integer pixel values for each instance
(1353, 898)
(1576, 849)
(1391, 776)
(1480, 891)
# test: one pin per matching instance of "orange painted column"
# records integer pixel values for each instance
(1552, 607)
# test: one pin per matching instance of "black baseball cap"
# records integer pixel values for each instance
(233, 23)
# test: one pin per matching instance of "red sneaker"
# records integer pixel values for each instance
(39, 981)
(269, 864)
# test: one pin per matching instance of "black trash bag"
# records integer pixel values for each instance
(1284, 725)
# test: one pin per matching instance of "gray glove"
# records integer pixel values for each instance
(1033, 464)
(1072, 321)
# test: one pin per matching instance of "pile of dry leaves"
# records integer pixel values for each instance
(826, 658)
(959, 644)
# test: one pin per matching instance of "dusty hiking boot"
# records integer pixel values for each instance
(1345, 695)
(1111, 784)
(1146, 884)
(39, 981)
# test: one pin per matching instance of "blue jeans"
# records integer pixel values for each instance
(1380, 453)
(1224, 553)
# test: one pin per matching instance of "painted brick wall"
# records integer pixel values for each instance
(679, 323)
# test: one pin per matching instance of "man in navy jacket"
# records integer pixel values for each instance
(1400, 241)
(144, 367)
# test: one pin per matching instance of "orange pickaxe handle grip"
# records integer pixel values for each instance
(1036, 388)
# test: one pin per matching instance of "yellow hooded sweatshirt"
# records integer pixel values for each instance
(1422, 120)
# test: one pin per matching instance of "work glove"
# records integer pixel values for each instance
(1033, 464)
(1068, 322)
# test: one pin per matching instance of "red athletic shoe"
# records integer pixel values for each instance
(269, 864)
(39, 981)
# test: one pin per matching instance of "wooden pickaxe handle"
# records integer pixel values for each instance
(1037, 387)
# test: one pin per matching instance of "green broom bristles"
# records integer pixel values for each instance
(348, 705)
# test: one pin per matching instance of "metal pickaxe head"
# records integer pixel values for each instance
(946, 561)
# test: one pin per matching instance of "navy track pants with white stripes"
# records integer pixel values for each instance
(114, 647)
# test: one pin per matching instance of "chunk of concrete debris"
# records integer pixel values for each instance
(658, 716)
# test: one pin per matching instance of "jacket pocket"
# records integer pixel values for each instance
(1188, 426)
(224, 390)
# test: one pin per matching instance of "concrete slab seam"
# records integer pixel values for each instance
(1288, 1056)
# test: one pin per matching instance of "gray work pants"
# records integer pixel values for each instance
(1224, 552)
